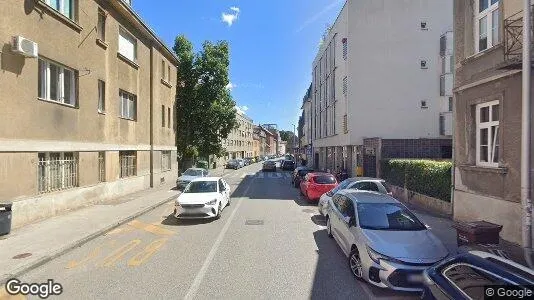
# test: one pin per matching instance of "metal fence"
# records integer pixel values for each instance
(128, 162)
(101, 167)
(57, 171)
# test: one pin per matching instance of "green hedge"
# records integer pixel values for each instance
(427, 177)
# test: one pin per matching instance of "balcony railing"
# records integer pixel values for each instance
(513, 37)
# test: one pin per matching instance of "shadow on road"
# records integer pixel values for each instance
(172, 221)
(318, 220)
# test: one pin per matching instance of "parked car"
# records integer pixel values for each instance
(358, 183)
(241, 162)
(203, 198)
(248, 161)
(233, 164)
(189, 175)
(465, 275)
(287, 165)
(316, 184)
(269, 165)
(384, 241)
(298, 175)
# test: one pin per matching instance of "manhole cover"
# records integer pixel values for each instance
(254, 222)
(307, 210)
(22, 255)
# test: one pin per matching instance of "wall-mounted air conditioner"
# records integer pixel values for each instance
(24, 46)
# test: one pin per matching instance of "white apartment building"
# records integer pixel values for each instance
(376, 85)
(445, 83)
(239, 143)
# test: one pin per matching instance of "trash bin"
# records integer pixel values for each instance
(5, 218)
(478, 232)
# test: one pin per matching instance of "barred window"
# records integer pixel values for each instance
(57, 171)
(128, 162)
(165, 160)
(101, 167)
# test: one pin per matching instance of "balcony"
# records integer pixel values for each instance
(513, 41)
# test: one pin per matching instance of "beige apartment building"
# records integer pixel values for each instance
(487, 113)
(87, 92)
(239, 143)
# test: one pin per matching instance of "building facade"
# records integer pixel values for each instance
(239, 143)
(377, 75)
(305, 137)
(487, 109)
(88, 110)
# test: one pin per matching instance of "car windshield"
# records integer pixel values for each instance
(303, 173)
(387, 216)
(232, 161)
(325, 179)
(341, 186)
(192, 172)
(201, 187)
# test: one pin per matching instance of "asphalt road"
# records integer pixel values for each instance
(269, 244)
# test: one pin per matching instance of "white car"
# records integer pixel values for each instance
(203, 198)
(357, 183)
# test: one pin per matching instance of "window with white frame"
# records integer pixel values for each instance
(487, 134)
(56, 82)
(128, 105)
(57, 171)
(127, 45)
(101, 96)
(64, 7)
(486, 24)
(128, 163)
(165, 160)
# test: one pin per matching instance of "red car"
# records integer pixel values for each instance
(316, 184)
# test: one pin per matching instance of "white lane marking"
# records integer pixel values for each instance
(200, 276)
(260, 175)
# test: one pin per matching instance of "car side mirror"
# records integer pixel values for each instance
(349, 220)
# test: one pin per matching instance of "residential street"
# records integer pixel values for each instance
(269, 244)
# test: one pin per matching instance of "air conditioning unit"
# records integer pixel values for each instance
(24, 46)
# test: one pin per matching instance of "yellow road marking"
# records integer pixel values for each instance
(150, 228)
(149, 250)
(123, 229)
(96, 252)
(119, 253)
(4, 295)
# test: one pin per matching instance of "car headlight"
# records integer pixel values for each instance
(212, 202)
(376, 256)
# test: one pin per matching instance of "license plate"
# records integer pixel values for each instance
(416, 278)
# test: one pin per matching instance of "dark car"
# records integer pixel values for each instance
(287, 165)
(233, 164)
(467, 276)
(269, 165)
(247, 161)
(298, 175)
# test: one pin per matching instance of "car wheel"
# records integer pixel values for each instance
(219, 211)
(329, 227)
(355, 264)
(228, 204)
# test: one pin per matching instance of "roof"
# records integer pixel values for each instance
(357, 179)
(206, 179)
(199, 169)
(319, 174)
(360, 196)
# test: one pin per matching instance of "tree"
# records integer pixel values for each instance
(206, 112)
(288, 136)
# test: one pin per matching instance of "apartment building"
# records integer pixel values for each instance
(376, 85)
(260, 136)
(487, 109)
(87, 93)
(239, 143)
(305, 132)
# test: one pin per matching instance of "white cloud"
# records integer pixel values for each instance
(230, 86)
(241, 109)
(230, 18)
(244, 108)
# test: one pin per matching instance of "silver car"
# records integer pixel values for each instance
(358, 183)
(189, 175)
(385, 243)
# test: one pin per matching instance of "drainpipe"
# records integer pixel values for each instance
(151, 116)
(526, 200)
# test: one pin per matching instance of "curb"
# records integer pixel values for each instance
(41, 261)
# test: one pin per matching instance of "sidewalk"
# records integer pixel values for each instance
(50, 238)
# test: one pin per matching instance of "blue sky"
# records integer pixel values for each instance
(272, 45)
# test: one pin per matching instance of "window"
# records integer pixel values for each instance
(101, 96)
(163, 69)
(450, 103)
(128, 105)
(64, 7)
(101, 167)
(56, 83)
(423, 104)
(127, 45)
(101, 27)
(366, 186)
(424, 25)
(387, 216)
(57, 171)
(442, 125)
(487, 134)
(345, 124)
(168, 117)
(487, 24)
(344, 41)
(169, 74)
(423, 64)
(442, 85)
(345, 86)
(165, 160)
(163, 116)
(128, 163)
